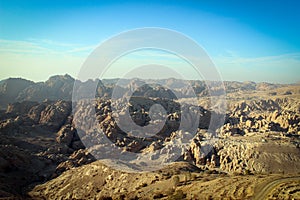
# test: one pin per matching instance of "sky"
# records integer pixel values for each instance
(246, 40)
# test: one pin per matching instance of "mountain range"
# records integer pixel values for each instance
(60, 87)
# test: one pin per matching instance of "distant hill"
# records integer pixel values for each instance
(11, 88)
(60, 87)
(18, 90)
(56, 87)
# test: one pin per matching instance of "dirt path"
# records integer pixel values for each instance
(268, 187)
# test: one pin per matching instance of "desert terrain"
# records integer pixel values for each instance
(253, 154)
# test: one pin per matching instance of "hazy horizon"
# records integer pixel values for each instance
(111, 78)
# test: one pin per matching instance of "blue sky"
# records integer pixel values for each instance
(247, 40)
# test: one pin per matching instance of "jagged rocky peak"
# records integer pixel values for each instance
(57, 80)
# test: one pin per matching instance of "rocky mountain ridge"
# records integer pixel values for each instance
(60, 87)
(41, 149)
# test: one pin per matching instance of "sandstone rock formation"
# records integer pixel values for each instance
(43, 140)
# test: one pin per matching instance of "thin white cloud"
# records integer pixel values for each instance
(37, 46)
(87, 49)
(234, 58)
(51, 42)
(15, 46)
(283, 68)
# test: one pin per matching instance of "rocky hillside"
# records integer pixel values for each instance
(38, 143)
(44, 150)
(177, 181)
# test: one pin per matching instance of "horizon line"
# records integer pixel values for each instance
(137, 78)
